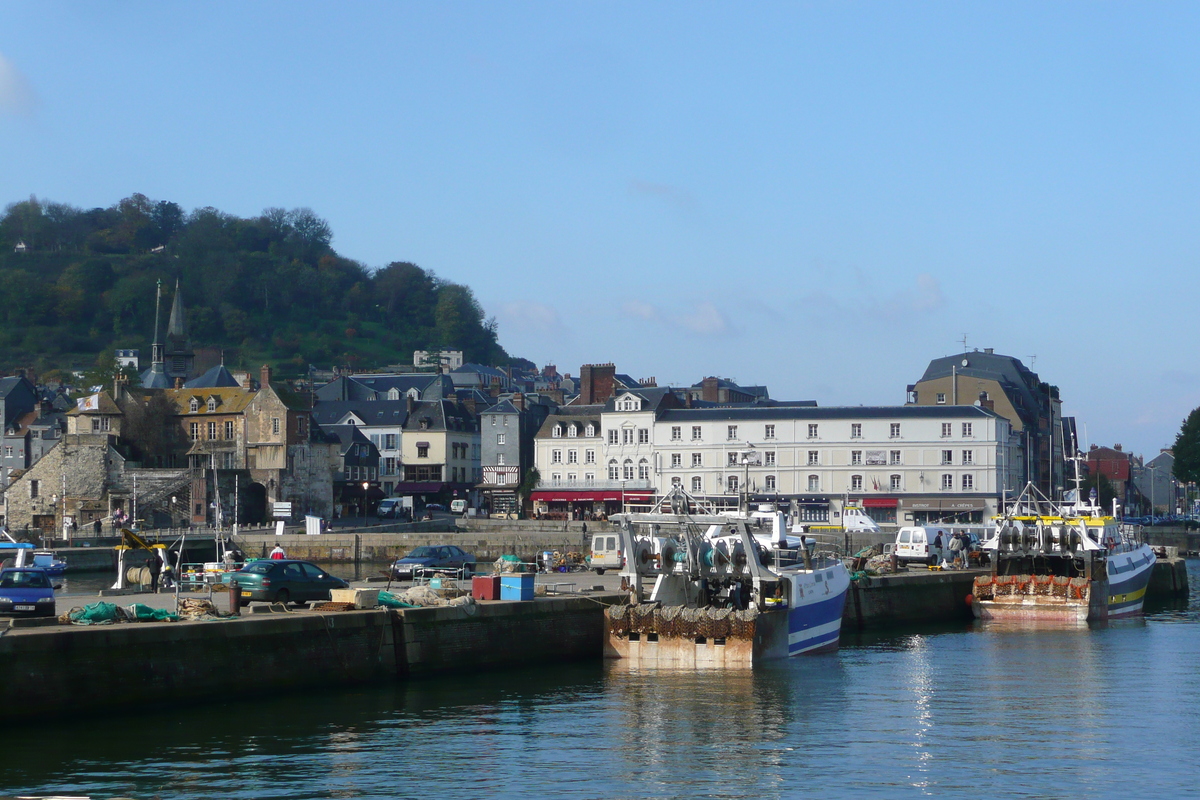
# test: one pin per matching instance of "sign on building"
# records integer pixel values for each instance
(281, 510)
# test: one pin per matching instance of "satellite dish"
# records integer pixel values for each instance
(964, 362)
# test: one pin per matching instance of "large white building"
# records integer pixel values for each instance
(902, 463)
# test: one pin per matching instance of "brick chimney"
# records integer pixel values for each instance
(710, 390)
(264, 376)
(409, 403)
(984, 402)
(596, 382)
(179, 383)
(518, 401)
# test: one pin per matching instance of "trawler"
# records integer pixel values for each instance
(1066, 562)
(720, 590)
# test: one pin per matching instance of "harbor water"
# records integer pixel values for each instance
(953, 712)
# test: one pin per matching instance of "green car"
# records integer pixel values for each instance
(283, 580)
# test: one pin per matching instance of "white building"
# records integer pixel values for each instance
(902, 463)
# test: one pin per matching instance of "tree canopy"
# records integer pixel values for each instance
(1187, 449)
(269, 288)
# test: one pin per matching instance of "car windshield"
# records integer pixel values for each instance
(257, 567)
(422, 552)
(24, 580)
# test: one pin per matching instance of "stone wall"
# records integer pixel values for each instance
(79, 462)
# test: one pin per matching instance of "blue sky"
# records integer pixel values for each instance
(820, 197)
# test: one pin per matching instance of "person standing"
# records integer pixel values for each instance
(935, 550)
(956, 550)
(155, 567)
(96, 527)
(278, 553)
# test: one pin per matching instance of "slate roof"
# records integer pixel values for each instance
(215, 377)
(232, 400)
(374, 412)
(1013, 376)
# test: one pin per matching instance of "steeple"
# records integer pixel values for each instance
(179, 354)
(156, 376)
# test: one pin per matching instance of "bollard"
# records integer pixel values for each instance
(235, 599)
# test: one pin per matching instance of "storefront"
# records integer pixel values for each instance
(881, 509)
(584, 504)
(944, 510)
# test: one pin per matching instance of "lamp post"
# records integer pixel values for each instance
(365, 485)
(1153, 469)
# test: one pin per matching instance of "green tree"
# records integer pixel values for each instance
(525, 490)
(1187, 449)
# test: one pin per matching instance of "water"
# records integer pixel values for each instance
(948, 712)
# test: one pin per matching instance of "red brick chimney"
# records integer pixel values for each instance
(264, 376)
(710, 390)
(596, 382)
(518, 401)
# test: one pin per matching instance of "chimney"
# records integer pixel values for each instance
(710, 390)
(518, 401)
(409, 403)
(989, 350)
(649, 383)
(1117, 447)
(264, 376)
(179, 383)
(596, 383)
(688, 400)
(469, 405)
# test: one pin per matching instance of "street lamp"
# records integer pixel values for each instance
(1153, 469)
(365, 485)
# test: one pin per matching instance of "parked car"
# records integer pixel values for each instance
(606, 552)
(390, 508)
(434, 507)
(429, 559)
(26, 592)
(283, 580)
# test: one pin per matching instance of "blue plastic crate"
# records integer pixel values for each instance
(516, 587)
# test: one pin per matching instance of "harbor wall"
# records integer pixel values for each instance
(489, 635)
(1169, 580)
(73, 670)
(908, 598)
(359, 547)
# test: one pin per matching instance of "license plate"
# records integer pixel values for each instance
(245, 594)
(24, 608)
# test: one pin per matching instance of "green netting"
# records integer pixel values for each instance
(144, 613)
(95, 614)
(389, 600)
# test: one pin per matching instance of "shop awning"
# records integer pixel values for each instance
(591, 496)
(944, 503)
(879, 502)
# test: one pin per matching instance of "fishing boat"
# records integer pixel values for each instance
(48, 561)
(706, 590)
(1066, 562)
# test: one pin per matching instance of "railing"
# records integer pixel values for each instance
(604, 485)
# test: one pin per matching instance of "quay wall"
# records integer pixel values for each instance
(1169, 580)
(910, 598)
(432, 641)
(359, 547)
(69, 670)
(73, 670)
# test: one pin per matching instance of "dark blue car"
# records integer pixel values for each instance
(429, 560)
(26, 592)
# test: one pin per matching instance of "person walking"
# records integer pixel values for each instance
(935, 550)
(278, 553)
(155, 567)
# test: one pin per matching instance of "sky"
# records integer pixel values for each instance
(818, 197)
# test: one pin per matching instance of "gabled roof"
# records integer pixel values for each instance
(503, 407)
(442, 415)
(156, 377)
(347, 435)
(232, 400)
(655, 398)
(372, 413)
(98, 404)
(217, 376)
(1013, 376)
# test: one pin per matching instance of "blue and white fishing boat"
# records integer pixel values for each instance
(1066, 562)
(720, 590)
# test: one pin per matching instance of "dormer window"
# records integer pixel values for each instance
(572, 431)
(591, 429)
(212, 404)
(556, 432)
(194, 406)
(393, 393)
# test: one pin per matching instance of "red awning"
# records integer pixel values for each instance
(591, 496)
(879, 502)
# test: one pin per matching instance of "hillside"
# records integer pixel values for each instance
(267, 289)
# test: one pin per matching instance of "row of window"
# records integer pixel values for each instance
(895, 483)
(194, 429)
(572, 430)
(556, 457)
(731, 431)
(872, 458)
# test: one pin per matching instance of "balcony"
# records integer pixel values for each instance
(604, 485)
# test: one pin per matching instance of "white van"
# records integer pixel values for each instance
(916, 543)
(606, 552)
(458, 506)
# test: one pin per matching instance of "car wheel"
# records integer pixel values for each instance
(599, 572)
(282, 596)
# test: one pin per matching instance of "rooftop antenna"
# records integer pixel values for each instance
(964, 342)
(1032, 359)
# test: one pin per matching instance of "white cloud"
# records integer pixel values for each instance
(16, 95)
(525, 315)
(636, 309)
(704, 319)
